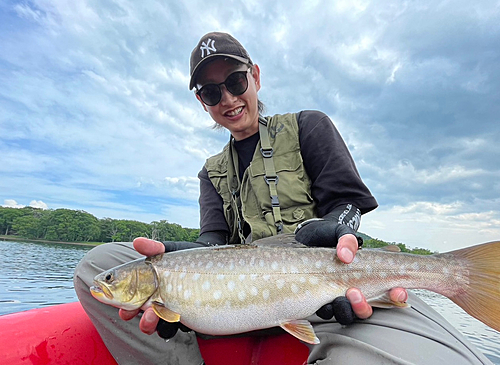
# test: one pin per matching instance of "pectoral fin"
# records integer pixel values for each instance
(165, 313)
(384, 301)
(301, 329)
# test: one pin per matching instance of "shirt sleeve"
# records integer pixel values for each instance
(329, 165)
(211, 206)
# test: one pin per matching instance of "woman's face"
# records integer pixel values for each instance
(239, 114)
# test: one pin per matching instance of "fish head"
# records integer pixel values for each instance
(127, 286)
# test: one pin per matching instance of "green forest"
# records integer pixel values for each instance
(78, 226)
(66, 225)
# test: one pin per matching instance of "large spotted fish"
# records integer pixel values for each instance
(227, 290)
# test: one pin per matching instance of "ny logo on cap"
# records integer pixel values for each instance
(207, 47)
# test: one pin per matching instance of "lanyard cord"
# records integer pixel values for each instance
(234, 187)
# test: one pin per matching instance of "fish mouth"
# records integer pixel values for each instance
(98, 291)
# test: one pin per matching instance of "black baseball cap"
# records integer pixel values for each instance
(216, 44)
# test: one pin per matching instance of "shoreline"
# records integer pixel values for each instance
(22, 239)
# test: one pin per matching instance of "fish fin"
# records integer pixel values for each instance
(279, 241)
(165, 313)
(390, 248)
(301, 329)
(482, 293)
(384, 301)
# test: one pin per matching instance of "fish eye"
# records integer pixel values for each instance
(109, 277)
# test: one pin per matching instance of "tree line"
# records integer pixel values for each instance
(79, 226)
(376, 243)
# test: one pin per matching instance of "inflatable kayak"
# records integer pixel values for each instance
(63, 334)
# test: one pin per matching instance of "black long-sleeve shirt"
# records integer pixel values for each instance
(328, 163)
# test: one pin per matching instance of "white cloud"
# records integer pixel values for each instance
(11, 203)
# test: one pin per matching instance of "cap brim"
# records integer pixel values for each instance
(210, 57)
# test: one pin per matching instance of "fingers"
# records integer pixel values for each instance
(347, 248)
(128, 315)
(149, 321)
(148, 247)
(358, 302)
(398, 295)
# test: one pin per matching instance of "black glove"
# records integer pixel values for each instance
(340, 308)
(167, 330)
(323, 233)
(211, 238)
(180, 245)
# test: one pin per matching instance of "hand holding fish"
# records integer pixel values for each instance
(326, 233)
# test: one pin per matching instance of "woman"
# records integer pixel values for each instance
(276, 175)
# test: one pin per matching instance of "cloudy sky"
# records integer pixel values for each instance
(95, 111)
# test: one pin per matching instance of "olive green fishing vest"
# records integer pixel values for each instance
(269, 204)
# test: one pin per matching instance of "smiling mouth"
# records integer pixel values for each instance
(234, 112)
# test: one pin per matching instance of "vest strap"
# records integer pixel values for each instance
(270, 176)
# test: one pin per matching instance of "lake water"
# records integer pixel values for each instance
(35, 275)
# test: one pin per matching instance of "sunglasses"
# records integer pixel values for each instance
(236, 84)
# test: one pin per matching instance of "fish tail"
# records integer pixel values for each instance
(481, 297)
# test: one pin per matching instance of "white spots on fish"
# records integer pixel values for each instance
(265, 294)
(254, 291)
(274, 266)
(415, 266)
(242, 295)
(313, 280)
(217, 294)
(182, 275)
(280, 283)
(242, 262)
(195, 276)
(179, 288)
(294, 288)
(166, 273)
(305, 260)
(206, 285)
(446, 271)
(169, 288)
(221, 276)
(242, 277)
(209, 265)
(302, 279)
(357, 274)
(187, 294)
(266, 277)
(192, 265)
(231, 266)
(254, 276)
(231, 285)
(318, 264)
(220, 264)
(262, 263)
(197, 303)
(402, 270)
(284, 270)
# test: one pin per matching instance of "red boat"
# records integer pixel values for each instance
(63, 334)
